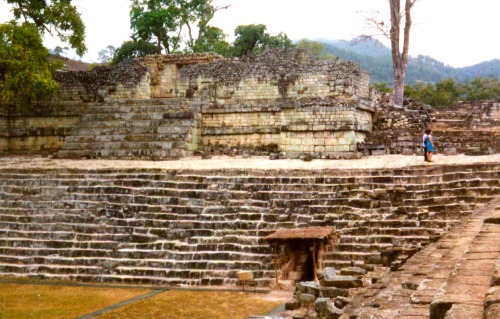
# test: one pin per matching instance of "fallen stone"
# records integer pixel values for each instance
(332, 292)
(353, 271)
(292, 304)
(326, 309)
(341, 302)
(342, 282)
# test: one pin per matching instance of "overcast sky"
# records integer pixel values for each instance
(456, 32)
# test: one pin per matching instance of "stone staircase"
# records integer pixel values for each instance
(159, 129)
(456, 277)
(180, 227)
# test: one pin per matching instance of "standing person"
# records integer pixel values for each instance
(429, 145)
(424, 137)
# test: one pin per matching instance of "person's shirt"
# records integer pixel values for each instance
(424, 138)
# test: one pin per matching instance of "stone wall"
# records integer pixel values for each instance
(282, 98)
(127, 80)
(39, 131)
(467, 128)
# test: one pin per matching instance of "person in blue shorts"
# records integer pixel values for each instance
(429, 145)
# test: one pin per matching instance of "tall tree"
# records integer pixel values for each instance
(400, 58)
(133, 49)
(252, 39)
(314, 48)
(56, 17)
(172, 23)
(106, 54)
(399, 26)
(25, 71)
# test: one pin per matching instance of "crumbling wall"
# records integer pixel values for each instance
(164, 71)
(466, 128)
(127, 80)
(281, 98)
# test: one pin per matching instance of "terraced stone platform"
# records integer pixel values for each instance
(455, 277)
(156, 223)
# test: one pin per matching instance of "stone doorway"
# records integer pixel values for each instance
(298, 253)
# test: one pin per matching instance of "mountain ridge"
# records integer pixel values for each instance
(375, 58)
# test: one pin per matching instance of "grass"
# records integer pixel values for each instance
(23, 301)
(177, 304)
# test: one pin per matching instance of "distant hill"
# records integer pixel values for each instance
(376, 59)
(69, 64)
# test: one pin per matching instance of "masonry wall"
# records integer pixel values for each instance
(42, 130)
(128, 80)
(280, 101)
(467, 128)
(283, 99)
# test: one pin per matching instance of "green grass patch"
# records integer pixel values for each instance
(20, 301)
(196, 305)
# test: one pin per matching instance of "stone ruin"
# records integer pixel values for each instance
(167, 107)
(204, 228)
(283, 103)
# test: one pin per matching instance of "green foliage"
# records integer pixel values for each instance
(448, 92)
(382, 87)
(106, 55)
(314, 48)
(482, 89)
(25, 71)
(158, 21)
(443, 93)
(58, 16)
(170, 23)
(252, 39)
(212, 39)
(133, 49)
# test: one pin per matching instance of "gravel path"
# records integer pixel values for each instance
(260, 163)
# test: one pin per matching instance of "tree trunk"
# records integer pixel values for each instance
(399, 59)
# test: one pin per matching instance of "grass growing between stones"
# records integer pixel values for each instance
(196, 305)
(22, 301)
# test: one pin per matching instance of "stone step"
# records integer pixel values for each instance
(382, 239)
(114, 136)
(125, 154)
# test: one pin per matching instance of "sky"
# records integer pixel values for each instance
(456, 32)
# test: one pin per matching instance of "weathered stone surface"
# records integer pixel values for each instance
(342, 282)
(292, 304)
(326, 309)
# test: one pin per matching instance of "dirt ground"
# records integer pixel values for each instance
(254, 163)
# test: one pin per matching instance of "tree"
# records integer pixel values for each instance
(170, 23)
(400, 58)
(314, 48)
(59, 51)
(25, 71)
(57, 17)
(443, 93)
(400, 18)
(106, 55)
(483, 89)
(133, 49)
(212, 39)
(252, 39)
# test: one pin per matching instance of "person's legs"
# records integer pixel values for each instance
(429, 156)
